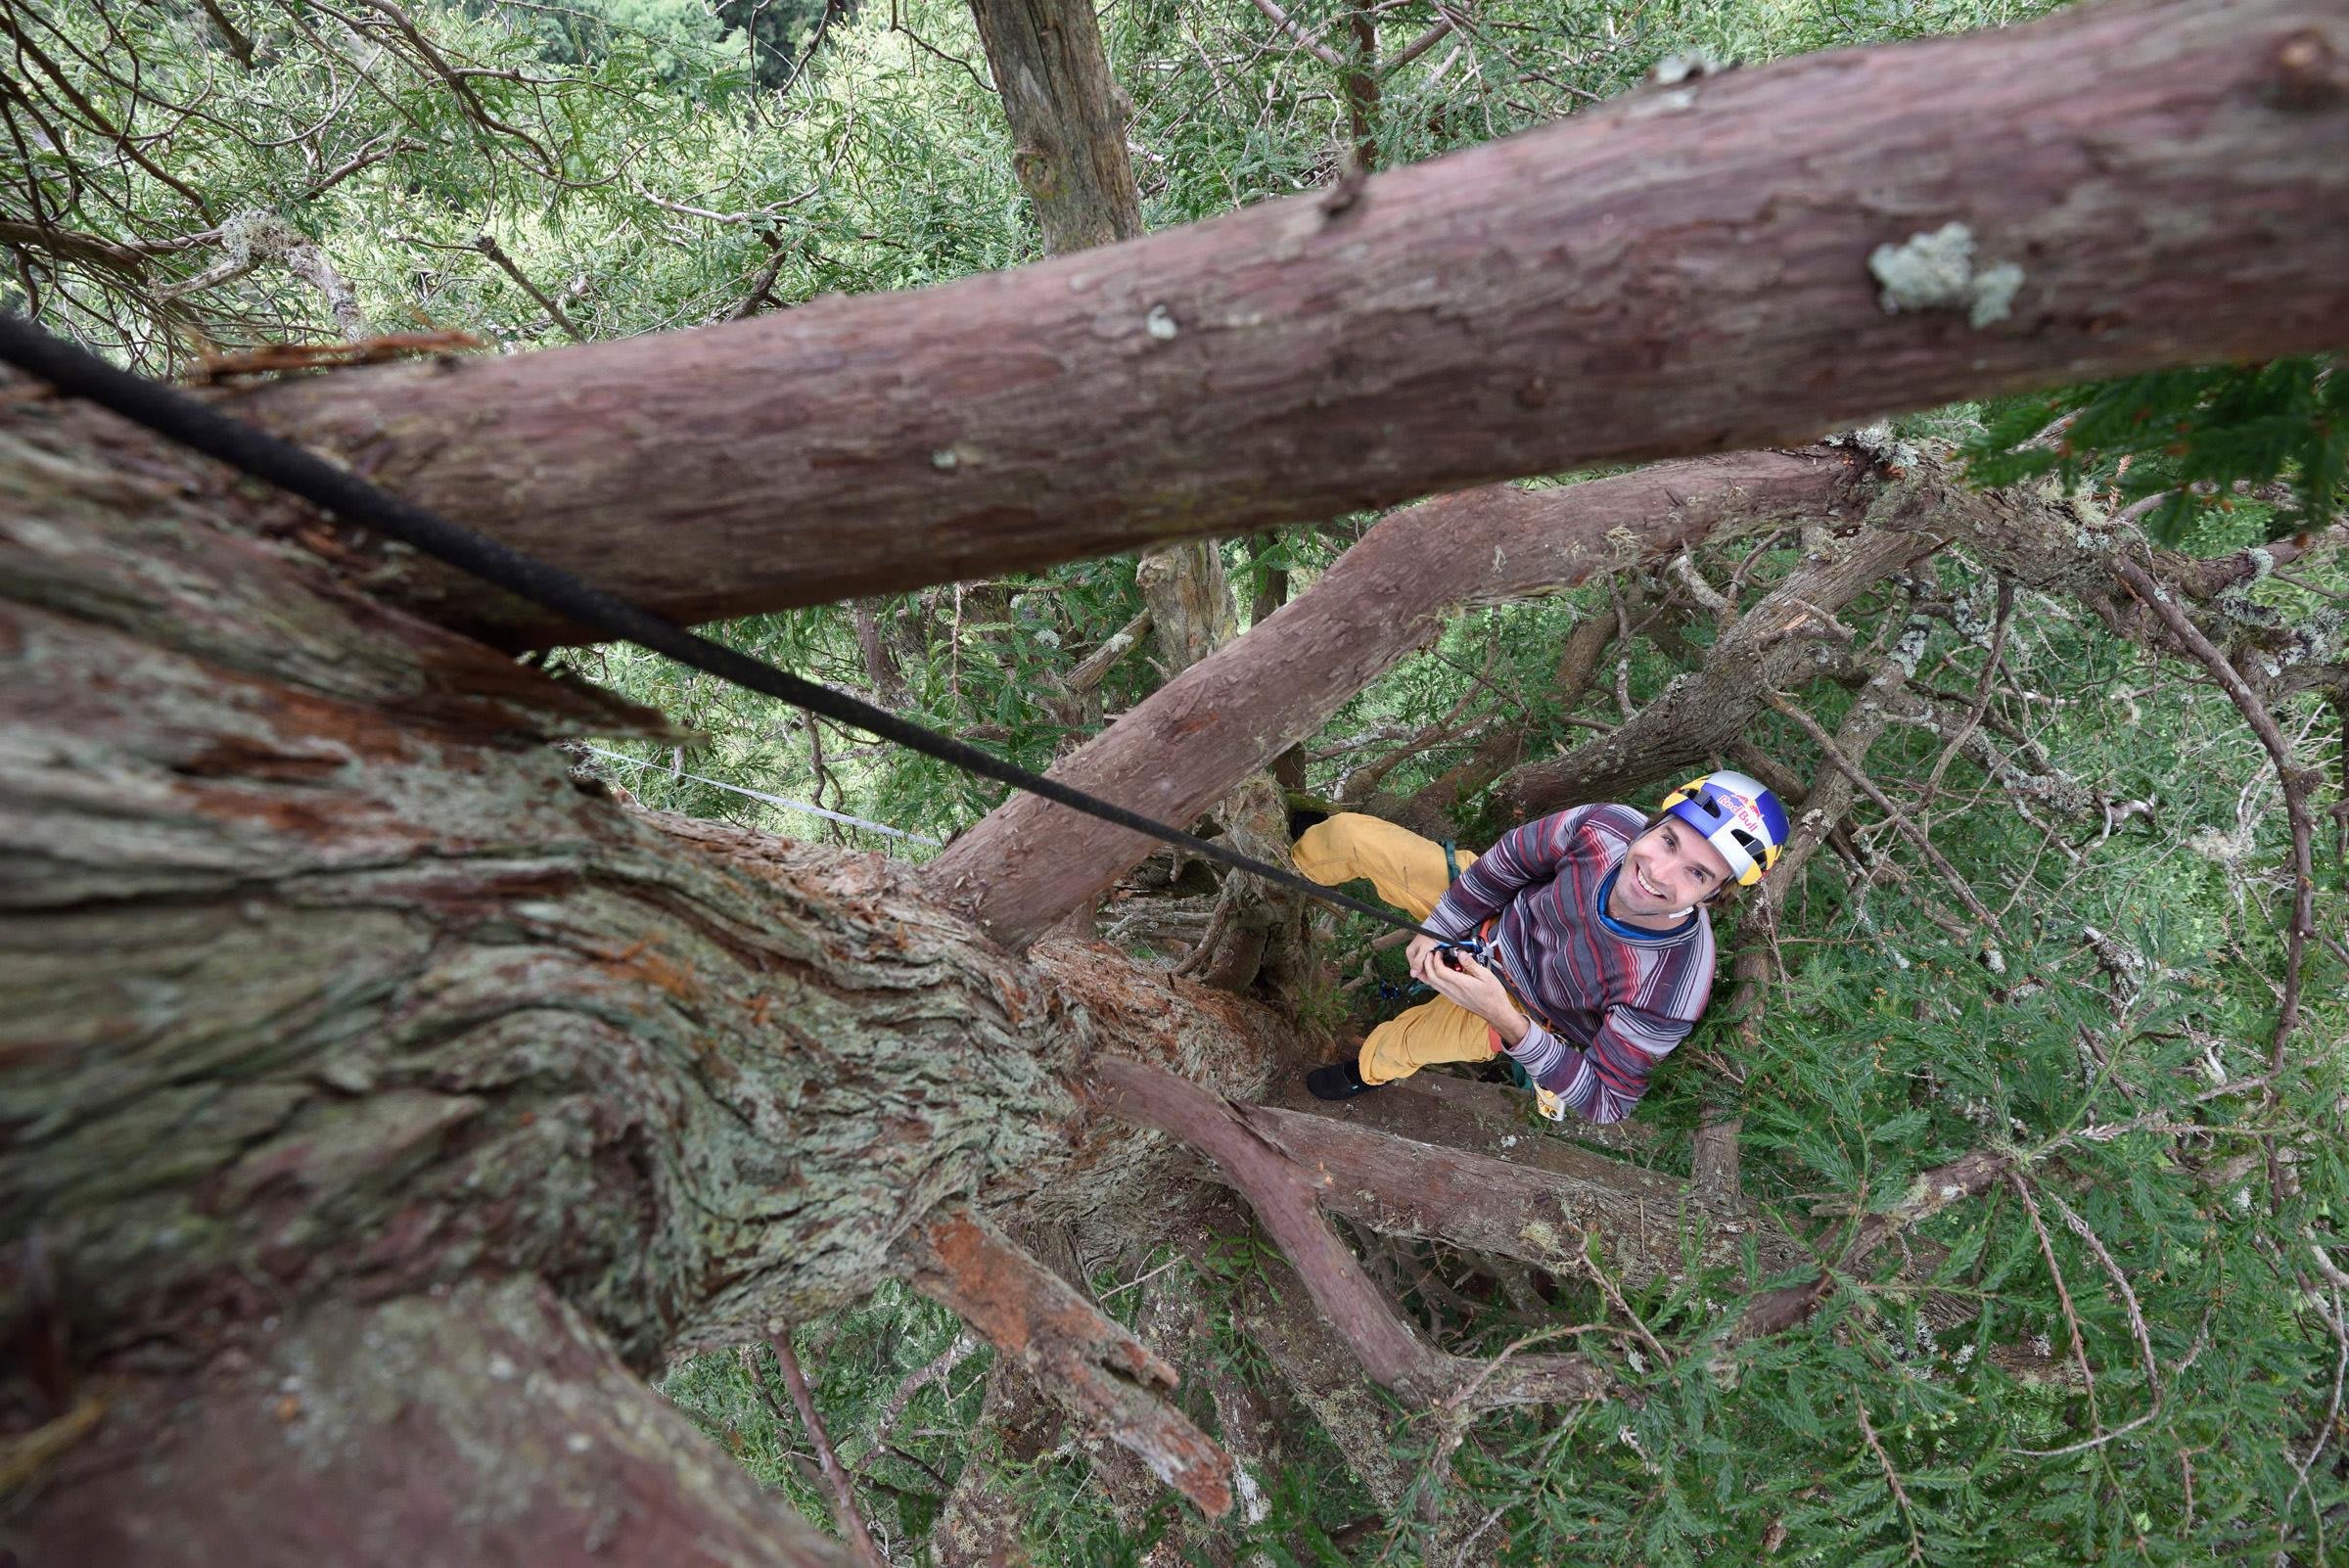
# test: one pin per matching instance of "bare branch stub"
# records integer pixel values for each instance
(1102, 1373)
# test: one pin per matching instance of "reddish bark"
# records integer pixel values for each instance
(1647, 1223)
(1282, 1195)
(491, 1424)
(1193, 740)
(1101, 1372)
(1682, 270)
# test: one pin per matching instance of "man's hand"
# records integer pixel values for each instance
(1470, 984)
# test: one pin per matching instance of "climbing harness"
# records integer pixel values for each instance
(174, 414)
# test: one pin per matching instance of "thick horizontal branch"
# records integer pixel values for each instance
(1682, 270)
(1083, 1359)
(1228, 716)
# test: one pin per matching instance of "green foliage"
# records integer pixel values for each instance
(858, 1364)
(2272, 440)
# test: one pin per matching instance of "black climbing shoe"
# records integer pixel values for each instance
(1340, 1081)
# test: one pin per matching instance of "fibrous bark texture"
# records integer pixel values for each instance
(321, 981)
(1067, 118)
(1197, 737)
(490, 1424)
(1038, 1322)
(1682, 270)
(298, 988)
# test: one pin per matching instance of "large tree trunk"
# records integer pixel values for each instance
(320, 981)
(1194, 739)
(322, 986)
(1684, 270)
(490, 1423)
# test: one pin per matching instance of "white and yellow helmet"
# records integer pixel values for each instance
(1737, 815)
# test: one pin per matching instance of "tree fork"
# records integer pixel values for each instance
(1277, 1189)
(1668, 273)
(1192, 741)
(1702, 713)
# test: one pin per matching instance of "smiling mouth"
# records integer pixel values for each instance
(1645, 886)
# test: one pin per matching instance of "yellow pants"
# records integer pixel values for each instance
(1409, 873)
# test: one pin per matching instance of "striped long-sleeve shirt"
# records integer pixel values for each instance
(1616, 998)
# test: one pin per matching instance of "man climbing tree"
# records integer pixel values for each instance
(405, 1135)
(1600, 950)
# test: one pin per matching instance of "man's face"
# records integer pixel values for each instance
(1668, 869)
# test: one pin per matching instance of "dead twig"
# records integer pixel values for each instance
(497, 253)
(915, 1381)
(1892, 1478)
(2063, 1294)
(1981, 702)
(1899, 818)
(282, 356)
(845, 1511)
(2294, 779)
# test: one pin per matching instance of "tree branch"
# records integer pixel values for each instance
(1053, 410)
(497, 253)
(845, 1513)
(1037, 1321)
(1898, 817)
(1283, 1200)
(1703, 712)
(1652, 1224)
(1028, 864)
(1314, 46)
(1968, 1175)
(2294, 779)
(490, 1424)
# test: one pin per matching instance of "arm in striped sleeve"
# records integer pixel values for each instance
(1605, 1083)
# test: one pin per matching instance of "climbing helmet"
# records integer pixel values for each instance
(1737, 815)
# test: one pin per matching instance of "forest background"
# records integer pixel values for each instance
(2134, 1354)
